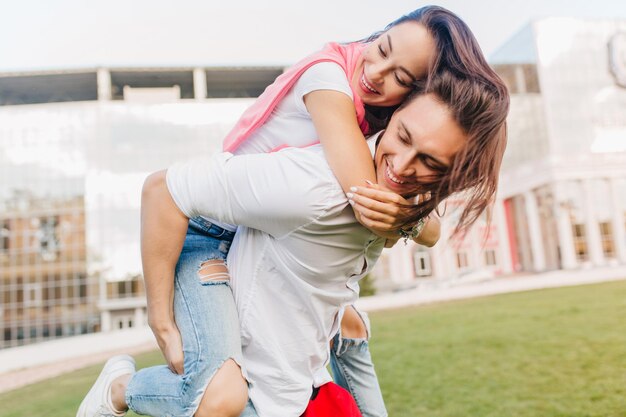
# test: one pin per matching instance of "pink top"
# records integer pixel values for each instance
(346, 56)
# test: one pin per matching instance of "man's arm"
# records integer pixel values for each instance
(431, 232)
(275, 193)
(163, 229)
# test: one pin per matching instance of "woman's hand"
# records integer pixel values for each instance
(381, 211)
(171, 345)
(384, 212)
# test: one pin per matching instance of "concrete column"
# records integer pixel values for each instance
(520, 81)
(438, 260)
(592, 229)
(444, 255)
(397, 263)
(476, 256)
(408, 269)
(199, 84)
(105, 318)
(566, 238)
(502, 230)
(104, 84)
(534, 231)
(619, 235)
(139, 318)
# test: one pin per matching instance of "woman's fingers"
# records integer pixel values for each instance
(376, 193)
(388, 211)
(384, 211)
(374, 215)
(374, 225)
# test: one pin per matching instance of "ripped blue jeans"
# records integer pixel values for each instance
(353, 369)
(206, 315)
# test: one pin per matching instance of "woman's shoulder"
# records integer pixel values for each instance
(324, 70)
(323, 76)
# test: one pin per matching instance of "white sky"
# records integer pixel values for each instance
(48, 34)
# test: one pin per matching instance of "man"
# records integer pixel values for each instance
(299, 254)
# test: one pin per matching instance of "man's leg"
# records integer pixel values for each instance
(352, 366)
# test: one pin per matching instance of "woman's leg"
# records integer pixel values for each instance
(352, 365)
(206, 316)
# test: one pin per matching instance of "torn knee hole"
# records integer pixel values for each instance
(213, 270)
(353, 326)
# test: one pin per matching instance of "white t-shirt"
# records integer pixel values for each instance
(290, 123)
(295, 261)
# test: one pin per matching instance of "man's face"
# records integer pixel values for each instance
(420, 142)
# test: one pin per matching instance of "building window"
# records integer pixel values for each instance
(461, 260)
(124, 322)
(490, 257)
(421, 264)
(82, 287)
(606, 235)
(5, 234)
(48, 238)
(32, 295)
(580, 242)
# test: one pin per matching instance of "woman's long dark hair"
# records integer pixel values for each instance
(457, 52)
(479, 102)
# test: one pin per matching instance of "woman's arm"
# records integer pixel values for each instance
(163, 229)
(431, 232)
(338, 131)
(349, 156)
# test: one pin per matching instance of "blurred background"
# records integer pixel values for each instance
(94, 96)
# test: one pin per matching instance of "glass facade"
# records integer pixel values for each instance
(528, 140)
(586, 109)
(70, 183)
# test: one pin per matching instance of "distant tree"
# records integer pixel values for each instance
(367, 285)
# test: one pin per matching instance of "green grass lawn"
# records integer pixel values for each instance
(550, 353)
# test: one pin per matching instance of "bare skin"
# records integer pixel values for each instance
(352, 326)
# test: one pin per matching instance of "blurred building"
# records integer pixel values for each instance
(562, 196)
(44, 288)
(75, 147)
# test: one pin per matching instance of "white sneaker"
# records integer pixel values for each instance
(97, 402)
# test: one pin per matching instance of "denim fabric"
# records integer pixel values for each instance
(353, 369)
(206, 316)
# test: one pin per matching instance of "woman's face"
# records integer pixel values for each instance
(391, 64)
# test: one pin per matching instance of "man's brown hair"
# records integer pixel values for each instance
(479, 103)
